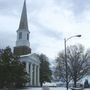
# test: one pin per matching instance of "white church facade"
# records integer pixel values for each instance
(22, 48)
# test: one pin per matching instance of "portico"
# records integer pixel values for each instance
(32, 65)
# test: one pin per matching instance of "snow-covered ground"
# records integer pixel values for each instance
(87, 77)
(58, 88)
(51, 88)
(62, 88)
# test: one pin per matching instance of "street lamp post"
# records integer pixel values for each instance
(65, 40)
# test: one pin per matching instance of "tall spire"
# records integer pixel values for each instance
(22, 42)
(24, 21)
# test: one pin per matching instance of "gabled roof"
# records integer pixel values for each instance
(33, 58)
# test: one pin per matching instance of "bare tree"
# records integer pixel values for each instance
(77, 63)
(60, 70)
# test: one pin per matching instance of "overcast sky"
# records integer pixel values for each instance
(50, 21)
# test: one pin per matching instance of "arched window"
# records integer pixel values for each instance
(27, 36)
(20, 35)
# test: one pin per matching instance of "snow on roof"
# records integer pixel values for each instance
(25, 55)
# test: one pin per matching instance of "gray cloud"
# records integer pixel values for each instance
(48, 32)
(36, 5)
(79, 6)
(76, 6)
(11, 7)
(43, 38)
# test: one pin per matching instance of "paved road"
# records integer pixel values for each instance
(45, 88)
(39, 88)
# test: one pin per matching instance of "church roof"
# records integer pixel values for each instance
(24, 22)
(34, 58)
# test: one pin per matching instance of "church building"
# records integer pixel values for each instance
(22, 48)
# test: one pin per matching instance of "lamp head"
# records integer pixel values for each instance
(78, 35)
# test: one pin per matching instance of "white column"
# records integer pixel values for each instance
(31, 74)
(38, 78)
(27, 67)
(27, 70)
(34, 75)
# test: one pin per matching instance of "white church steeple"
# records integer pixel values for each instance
(22, 42)
(23, 32)
(24, 21)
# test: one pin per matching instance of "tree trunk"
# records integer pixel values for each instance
(41, 84)
(75, 84)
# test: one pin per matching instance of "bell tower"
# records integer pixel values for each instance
(22, 42)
